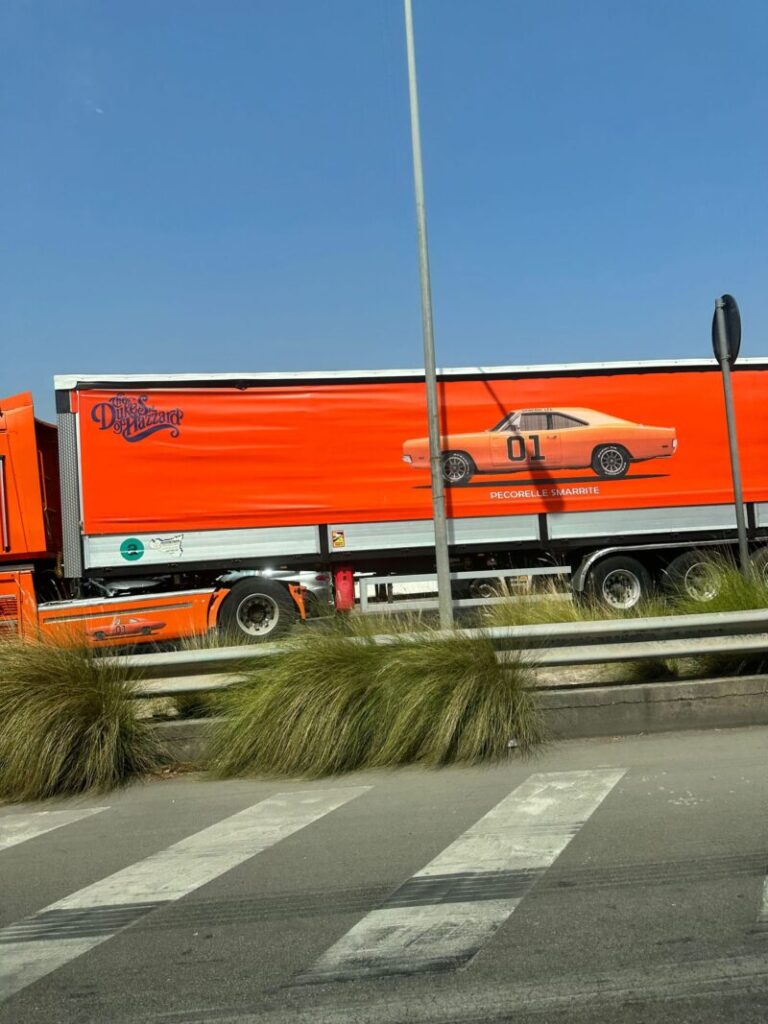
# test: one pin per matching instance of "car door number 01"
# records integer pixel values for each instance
(516, 450)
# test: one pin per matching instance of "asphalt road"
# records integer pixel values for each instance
(604, 881)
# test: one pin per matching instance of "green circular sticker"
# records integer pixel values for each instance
(132, 549)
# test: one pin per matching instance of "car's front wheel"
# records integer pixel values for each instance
(458, 468)
(610, 461)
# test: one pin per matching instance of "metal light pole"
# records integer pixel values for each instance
(433, 410)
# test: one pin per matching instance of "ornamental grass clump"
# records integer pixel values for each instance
(334, 703)
(68, 723)
(451, 701)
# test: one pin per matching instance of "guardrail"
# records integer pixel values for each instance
(546, 645)
(402, 604)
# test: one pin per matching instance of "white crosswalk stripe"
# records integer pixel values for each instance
(441, 917)
(70, 927)
(18, 828)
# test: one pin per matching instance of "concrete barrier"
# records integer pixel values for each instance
(629, 709)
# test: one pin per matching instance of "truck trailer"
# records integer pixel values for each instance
(160, 504)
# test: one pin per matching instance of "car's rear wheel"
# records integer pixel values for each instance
(458, 468)
(610, 461)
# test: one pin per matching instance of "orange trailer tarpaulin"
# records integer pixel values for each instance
(171, 458)
(217, 458)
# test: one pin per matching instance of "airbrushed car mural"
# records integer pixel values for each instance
(131, 626)
(547, 439)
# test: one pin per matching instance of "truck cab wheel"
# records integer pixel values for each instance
(257, 609)
(619, 583)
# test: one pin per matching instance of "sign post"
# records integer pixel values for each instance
(726, 341)
(442, 559)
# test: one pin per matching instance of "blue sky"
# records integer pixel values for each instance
(199, 186)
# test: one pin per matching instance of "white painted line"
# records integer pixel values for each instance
(18, 828)
(47, 940)
(762, 917)
(442, 916)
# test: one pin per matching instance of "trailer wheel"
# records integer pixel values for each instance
(482, 588)
(760, 564)
(610, 461)
(257, 609)
(620, 583)
(694, 575)
(458, 468)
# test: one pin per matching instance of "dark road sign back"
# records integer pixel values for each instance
(732, 340)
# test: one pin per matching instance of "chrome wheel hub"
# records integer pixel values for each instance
(621, 589)
(701, 582)
(257, 614)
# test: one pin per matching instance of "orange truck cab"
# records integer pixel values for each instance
(36, 598)
(30, 522)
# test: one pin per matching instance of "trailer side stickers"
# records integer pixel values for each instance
(134, 419)
(132, 549)
(293, 455)
(172, 547)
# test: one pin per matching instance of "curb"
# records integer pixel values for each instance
(580, 712)
(626, 710)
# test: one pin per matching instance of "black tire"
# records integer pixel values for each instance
(458, 468)
(759, 562)
(482, 588)
(485, 588)
(620, 583)
(694, 575)
(256, 610)
(610, 461)
(99, 635)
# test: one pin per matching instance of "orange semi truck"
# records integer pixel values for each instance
(154, 508)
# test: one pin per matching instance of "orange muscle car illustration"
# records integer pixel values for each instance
(546, 439)
(126, 627)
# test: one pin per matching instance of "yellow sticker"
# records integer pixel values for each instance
(338, 540)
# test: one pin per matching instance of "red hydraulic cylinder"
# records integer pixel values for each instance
(344, 588)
